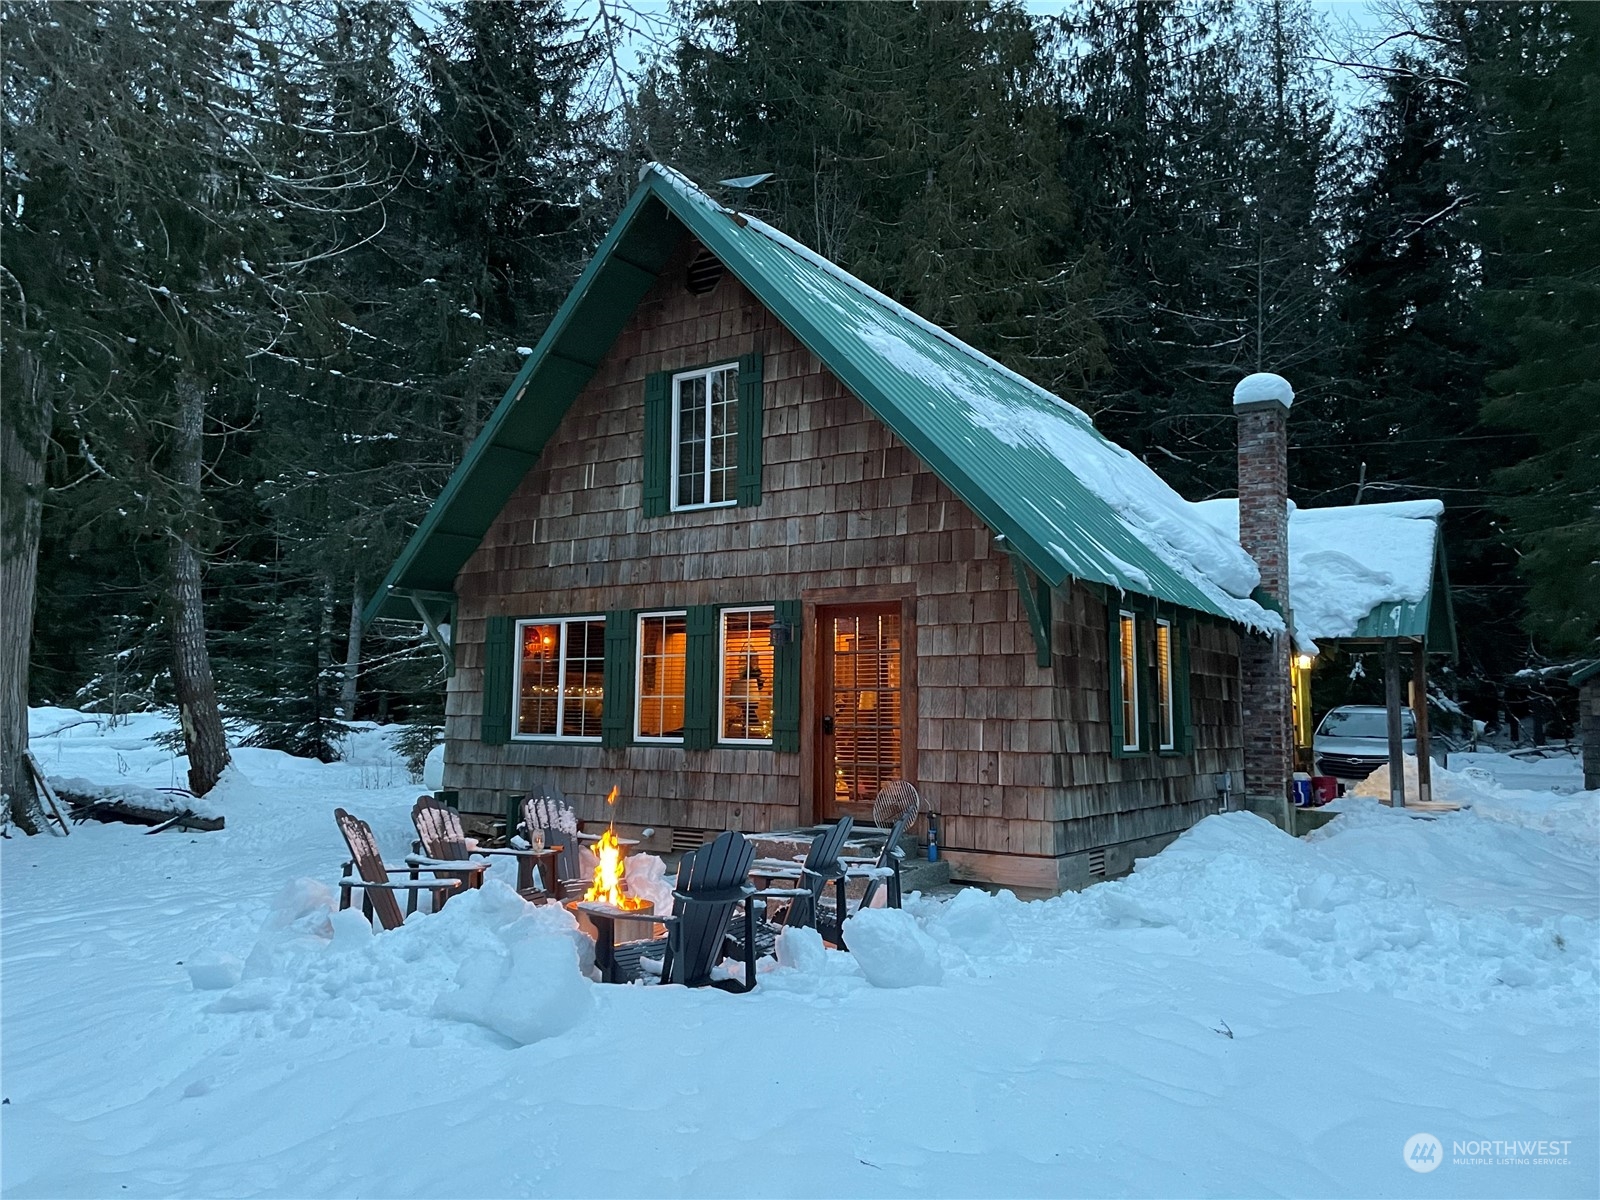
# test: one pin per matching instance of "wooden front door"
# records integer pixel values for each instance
(860, 706)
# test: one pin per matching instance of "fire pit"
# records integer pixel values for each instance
(607, 902)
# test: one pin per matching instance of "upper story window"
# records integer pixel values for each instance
(560, 685)
(705, 437)
(663, 677)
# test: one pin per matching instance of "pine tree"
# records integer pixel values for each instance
(1534, 72)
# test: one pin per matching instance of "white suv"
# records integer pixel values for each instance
(1353, 741)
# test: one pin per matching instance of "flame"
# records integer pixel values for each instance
(609, 874)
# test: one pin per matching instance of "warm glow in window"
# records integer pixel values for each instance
(1130, 682)
(1164, 707)
(705, 438)
(560, 677)
(746, 688)
(663, 653)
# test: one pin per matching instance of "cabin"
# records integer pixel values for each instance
(746, 539)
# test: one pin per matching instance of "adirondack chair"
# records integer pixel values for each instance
(881, 872)
(792, 896)
(440, 838)
(713, 882)
(548, 810)
(366, 873)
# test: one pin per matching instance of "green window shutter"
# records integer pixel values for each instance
(657, 443)
(1183, 718)
(750, 430)
(616, 706)
(700, 678)
(786, 681)
(1114, 666)
(495, 727)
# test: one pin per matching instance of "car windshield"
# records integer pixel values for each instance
(1347, 723)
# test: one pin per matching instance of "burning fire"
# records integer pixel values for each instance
(610, 870)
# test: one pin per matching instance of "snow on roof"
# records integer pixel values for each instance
(1346, 561)
(1263, 385)
(957, 380)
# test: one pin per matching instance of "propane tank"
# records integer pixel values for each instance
(933, 837)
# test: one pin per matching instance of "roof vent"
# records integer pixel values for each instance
(705, 272)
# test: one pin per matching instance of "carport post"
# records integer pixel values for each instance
(1397, 754)
(1419, 709)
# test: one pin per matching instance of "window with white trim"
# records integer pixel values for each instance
(560, 686)
(1166, 720)
(745, 682)
(663, 641)
(705, 437)
(1129, 666)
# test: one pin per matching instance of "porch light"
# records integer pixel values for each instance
(1304, 661)
(782, 633)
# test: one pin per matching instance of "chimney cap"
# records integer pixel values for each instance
(1263, 386)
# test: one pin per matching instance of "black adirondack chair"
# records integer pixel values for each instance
(713, 882)
(549, 811)
(792, 896)
(883, 871)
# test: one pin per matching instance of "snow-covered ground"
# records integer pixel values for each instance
(1246, 1014)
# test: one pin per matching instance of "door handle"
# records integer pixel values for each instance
(827, 724)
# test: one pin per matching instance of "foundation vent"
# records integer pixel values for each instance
(705, 272)
(684, 840)
(1097, 863)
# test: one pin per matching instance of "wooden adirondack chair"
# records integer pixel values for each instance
(548, 811)
(883, 871)
(713, 882)
(366, 873)
(440, 838)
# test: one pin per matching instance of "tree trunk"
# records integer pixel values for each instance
(24, 441)
(352, 654)
(196, 689)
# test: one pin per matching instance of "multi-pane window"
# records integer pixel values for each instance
(560, 678)
(705, 437)
(663, 662)
(746, 679)
(1166, 727)
(1129, 666)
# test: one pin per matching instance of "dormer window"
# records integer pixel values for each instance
(705, 437)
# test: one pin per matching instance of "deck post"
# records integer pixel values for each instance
(1391, 690)
(1419, 709)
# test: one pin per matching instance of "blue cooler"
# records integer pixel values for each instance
(1302, 790)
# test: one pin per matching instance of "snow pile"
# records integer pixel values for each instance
(1263, 385)
(1344, 562)
(1352, 920)
(1573, 816)
(891, 948)
(488, 957)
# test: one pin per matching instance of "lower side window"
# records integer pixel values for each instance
(560, 678)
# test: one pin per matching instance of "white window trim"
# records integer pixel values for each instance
(722, 674)
(677, 421)
(1169, 716)
(561, 682)
(638, 676)
(1130, 686)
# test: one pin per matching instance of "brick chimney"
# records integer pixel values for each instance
(1261, 402)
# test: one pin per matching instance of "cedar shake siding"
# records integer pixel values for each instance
(1016, 758)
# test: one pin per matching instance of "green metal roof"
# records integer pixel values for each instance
(1033, 467)
(1432, 620)
(1584, 675)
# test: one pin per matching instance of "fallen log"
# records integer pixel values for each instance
(86, 806)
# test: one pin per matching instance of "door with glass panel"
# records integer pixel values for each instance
(858, 707)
